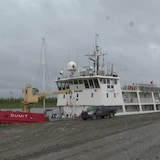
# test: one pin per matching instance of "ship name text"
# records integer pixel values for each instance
(13, 115)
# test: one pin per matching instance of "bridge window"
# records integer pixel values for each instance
(96, 83)
(75, 81)
(67, 85)
(102, 80)
(80, 81)
(91, 83)
(70, 82)
(59, 85)
(63, 85)
(111, 81)
(86, 83)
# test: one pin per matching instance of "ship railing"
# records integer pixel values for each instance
(86, 73)
(143, 100)
(146, 100)
(130, 87)
(91, 73)
(150, 89)
(130, 100)
(157, 101)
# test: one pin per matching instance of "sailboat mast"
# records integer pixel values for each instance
(43, 69)
(43, 62)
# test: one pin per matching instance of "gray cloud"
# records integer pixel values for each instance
(129, 31)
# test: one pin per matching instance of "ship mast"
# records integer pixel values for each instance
(97, 55)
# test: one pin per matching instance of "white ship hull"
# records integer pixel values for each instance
(128, 100)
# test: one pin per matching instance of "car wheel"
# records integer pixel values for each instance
(84, 118)
(111, 115)
(94, 117)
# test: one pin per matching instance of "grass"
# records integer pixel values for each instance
(17, 103)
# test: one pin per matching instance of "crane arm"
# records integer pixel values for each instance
(31, 95)
(41, 95)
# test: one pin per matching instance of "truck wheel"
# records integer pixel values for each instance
(94, 117)
(111, 115)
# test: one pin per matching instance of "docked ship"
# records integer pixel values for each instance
(30, 96)
(25, 116)
(93, 86)
(12, 117)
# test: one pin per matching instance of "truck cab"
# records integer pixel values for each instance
(94, 112)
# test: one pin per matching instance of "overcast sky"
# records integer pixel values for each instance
(129, 32)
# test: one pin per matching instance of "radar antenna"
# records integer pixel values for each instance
(95, 57)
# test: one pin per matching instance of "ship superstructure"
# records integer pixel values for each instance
(141, 98)
(95, 87)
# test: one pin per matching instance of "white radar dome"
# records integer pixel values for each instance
(71, 66)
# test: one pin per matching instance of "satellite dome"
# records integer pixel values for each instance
(71, 66)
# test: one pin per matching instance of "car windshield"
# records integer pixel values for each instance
(91, 108)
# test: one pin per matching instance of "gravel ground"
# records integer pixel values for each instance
(135, 137)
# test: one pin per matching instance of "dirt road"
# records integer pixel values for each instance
(135, 137)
